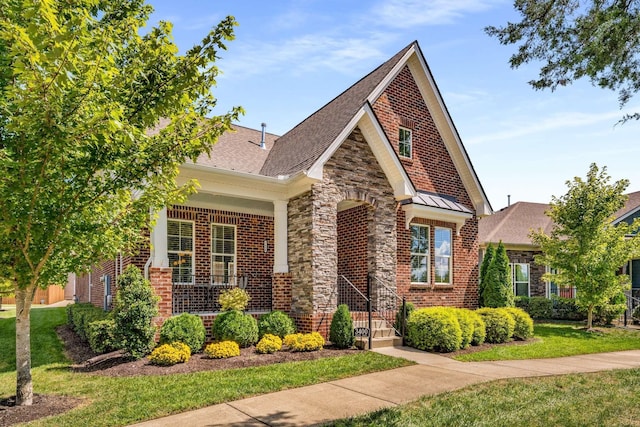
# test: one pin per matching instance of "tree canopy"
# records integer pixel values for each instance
(586, 248)
(573, 39)
(96, 115)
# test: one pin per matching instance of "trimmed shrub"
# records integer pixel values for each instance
(466, 321)
(499, 324)
(434, 329)
(235, 326)
(269, 344)
(222, 350)
(522, 302)
(304, 342)
(80, 316)
(566, 309)
(496, 285)
(479, 329)
(275, 323)
(186, 328)
(233, 299)
(604, 314)
(170, 354)
(101, 336)
(523, 329)
(134, 308)
(341, 329)
(409, 307)
(540, 308)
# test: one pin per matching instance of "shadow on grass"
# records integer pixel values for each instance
(559, 330)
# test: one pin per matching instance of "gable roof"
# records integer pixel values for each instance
(631, 206)
(299, 148)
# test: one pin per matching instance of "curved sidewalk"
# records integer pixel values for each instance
(433, 374)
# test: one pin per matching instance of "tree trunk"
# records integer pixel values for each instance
(590, 318)
(24, 385)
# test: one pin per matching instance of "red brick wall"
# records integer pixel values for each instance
(353, 241)
(537, 286)
(430, 169)
(281, 290)
(160, 278)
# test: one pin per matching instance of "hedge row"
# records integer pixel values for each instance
(447, 329)
(558, 308)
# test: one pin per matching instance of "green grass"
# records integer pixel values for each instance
(122, 401)
(559, 340)
(595, 399)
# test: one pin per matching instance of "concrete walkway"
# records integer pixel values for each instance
(325, 402)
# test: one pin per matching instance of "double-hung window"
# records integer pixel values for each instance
(520, 277)
(443, 255)
(223, 253)
(404, 142)
(419, 253)
(180, 250)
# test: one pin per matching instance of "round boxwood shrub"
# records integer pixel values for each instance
(233, 299)
(434, 329)
(523, 329)
(235, 326)
(275, 323)
(269, 344)
(100, 335)
(341, 329)
(499, 324)
(186, 328)
(222, 350)
(466, 322)
(479, 329)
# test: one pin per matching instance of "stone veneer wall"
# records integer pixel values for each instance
(352, 174)
(537, 286)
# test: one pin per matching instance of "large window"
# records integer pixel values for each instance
(419, 253)
(180, 250)
(520, 278)
(404, 142)
(223, 253)
(443, 255)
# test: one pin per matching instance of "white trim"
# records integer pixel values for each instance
(428, 254)
(159, 240)
(235, 249)
(513, 277)
(413, 210)
(193, 247)
(400, 129)
(435, 255)
(280, 237)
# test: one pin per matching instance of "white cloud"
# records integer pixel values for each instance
(412, 13)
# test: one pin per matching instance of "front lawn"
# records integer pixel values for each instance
(595, 399)
(113, 401)
(559, 340)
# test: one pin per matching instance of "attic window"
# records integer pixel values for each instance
(404, 142)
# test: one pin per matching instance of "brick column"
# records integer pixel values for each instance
(160, 278)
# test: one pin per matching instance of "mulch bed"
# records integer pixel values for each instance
(118, 366)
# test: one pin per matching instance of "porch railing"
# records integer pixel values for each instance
(199, 294)
(388, 304)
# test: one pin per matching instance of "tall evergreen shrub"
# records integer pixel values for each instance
(497, 290)
(341, 331)
(486, 261)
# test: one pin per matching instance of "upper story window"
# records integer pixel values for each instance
(404, 142)
(443, 255)
(419, 253)
(180, 250)
(223, 253)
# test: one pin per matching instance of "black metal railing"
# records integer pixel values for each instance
(387, 304)
(199, 294)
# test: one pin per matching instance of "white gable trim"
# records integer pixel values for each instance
(414, 59)
(373, 133)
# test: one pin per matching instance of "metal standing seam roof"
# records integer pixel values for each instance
(438, 201)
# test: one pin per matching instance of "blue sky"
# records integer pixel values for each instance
(290, 57)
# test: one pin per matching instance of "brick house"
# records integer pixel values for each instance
(374, 186)
(512, 226)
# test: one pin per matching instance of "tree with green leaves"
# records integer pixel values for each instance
(486, 261)
(586, 248)
(6, 290)
(498, 290)
(573, 39)
(82, 84)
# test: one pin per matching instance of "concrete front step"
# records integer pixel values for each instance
(393, 341)
(376, 323)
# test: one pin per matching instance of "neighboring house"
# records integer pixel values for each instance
(374, 186)
(512, 226)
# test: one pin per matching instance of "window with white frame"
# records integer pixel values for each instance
(419, 253)
(223, 253)
(404, 142)
(180, 250)
(443, 255)
(520, 278)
